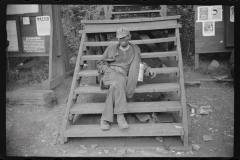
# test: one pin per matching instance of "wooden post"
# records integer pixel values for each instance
(163, 12)
(196, 57)
(58, 60)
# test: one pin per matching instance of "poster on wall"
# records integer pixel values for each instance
(216, 13)
(43, 25)
(12, 36)
(209, 13)
(34, 44)
(232, 14)
(208, 28)
(203, 13)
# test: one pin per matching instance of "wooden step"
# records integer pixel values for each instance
(133, 107)
(123, 5)
(145, 41)
(167, 70)
(137, 12)
(166, 18)
(132, 28)
(156, 129)
(143, 55)
(160, 87)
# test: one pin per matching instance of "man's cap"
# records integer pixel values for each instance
(122, 32)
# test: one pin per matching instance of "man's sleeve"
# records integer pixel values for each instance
(102, 65)
(146, 71)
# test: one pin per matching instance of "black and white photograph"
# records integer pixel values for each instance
(119, 80)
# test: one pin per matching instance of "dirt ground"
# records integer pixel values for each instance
(34, 130)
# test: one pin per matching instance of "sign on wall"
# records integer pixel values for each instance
(12, 36)
(232, 14)
(208, 28)
(34, 44)
(43, 25)
(209, 13)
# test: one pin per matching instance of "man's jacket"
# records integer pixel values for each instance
(132, 77)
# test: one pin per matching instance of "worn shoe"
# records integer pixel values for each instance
(104, 125)
(122, 123)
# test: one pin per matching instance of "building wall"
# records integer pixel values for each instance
(210, 44)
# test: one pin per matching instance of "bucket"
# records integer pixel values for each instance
(141, 71)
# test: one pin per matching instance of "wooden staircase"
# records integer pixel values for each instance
(102, 28)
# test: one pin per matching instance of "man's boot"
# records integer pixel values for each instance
(122, 123)
(104, 125)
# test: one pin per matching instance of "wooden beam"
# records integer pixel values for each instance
(28, 55)
(45, 98)
(132, 29)
(108, 43)
(131, 20)
(137, 12)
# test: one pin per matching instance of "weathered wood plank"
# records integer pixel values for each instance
(210, 47)
(128, 25)
(182, 91)
(137, 12)
(143, 55)
(168, 70)
(160, 87)
(33, 97)
(133, 107)
(157, 129)
(132, 20)
(111, 30)
(219, 36)
(146, 41)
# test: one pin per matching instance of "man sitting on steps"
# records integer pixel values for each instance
(119, 68)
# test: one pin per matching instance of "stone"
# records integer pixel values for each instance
(130, 150)
(207, 138)
(214, 65)
(158, 149)
(195, 147)
(82, 151)
(191, 152)
(106, 151)
(83, 146)
(94, 145)
(43, 140)
(143, 117)
(159, 139)
(121, 151)
(64, 151)
(212, 150)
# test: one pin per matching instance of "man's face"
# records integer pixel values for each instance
(124, 41)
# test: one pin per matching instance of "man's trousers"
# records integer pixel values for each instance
(116, 102)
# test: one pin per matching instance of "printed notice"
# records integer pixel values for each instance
(208, 28)
(43, 25)
(209, 13)
(216, 13)
(12, 36)
(34, 44)
(232, 14)
(203, 14)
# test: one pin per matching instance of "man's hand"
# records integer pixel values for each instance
(152, 73)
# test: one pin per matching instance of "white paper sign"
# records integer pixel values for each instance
(209, 13)
(43, 25)
(203, 14)
(232, 14)
(216, 13)
(26, 20)
(208, 28)
(12, 35)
